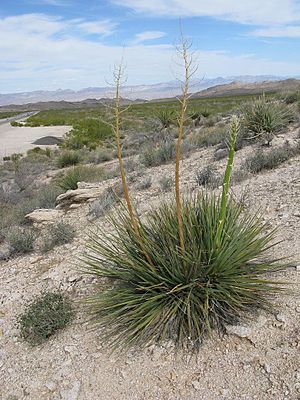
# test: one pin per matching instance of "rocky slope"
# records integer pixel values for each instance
(258, 361)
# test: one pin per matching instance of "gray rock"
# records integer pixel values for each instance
(71, 393)
(220, 153)
(196, 385)
(281, 318)
(51, 386)
(81, 195)
(44, 215)
(238, 330)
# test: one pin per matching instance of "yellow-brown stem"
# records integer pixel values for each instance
(118, 76)
(179, 141)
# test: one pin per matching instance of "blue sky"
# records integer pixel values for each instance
(51, 44)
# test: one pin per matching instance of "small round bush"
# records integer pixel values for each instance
(68, 158)
(218, 279)
(44, 316)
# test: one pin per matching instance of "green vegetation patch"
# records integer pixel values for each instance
(44, 316)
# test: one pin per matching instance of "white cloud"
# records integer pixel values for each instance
(257, 12)
(278, 31)
(103, 27)
(42, 52)
(148, 35)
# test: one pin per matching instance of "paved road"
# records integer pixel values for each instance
(17, 117)
(14, 139)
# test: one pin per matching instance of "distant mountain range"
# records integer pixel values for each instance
(138, 92)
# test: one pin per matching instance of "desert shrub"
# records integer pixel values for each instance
(21, 240)
(68, 158)
(44, 316)
(15, 157)
(16, 123)
(264, 116)
(6, 158)
(24, 207)
(292, 97)
(107, 200)
(26, 173)
(57, 234)
(39, 151)
(261, 160)
(166, 117)
(46, 196)
(210, 121)
(182, 296)
(208, 177)
(162, 154)
(208, 137)
(146, 183)
(166, 183)
(82, 173)
(100, 155)
(131, 165)
(7, 219)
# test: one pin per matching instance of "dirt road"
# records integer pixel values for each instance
(21, 139)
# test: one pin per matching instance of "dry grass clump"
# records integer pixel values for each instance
(110, 197)
(208, 177)
(21, 240)
(264, 160)
(57, 234)
(162, 154)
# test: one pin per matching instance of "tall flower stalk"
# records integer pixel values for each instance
(118, 75)
(183, 51)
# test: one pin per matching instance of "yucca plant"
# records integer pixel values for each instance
(216, 281)
(263, 116)
(190, 266)
(166, 117)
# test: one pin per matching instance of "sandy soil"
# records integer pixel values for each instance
(262, 363)
(20, 139)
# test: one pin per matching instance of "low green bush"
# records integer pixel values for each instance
(83, 173)
(44, 316)
(68, 158)
(16, 123)
(39, 151)
(89, 133)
